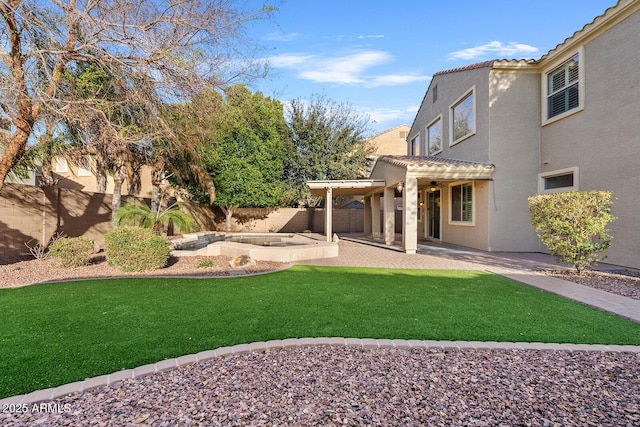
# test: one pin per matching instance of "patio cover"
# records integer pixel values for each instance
(346, 187)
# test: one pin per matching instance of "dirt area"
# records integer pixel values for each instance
(30, 271)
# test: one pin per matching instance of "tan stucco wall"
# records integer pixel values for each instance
(472, 236)
(392, 141)
(73, 180)
(603, 140)
(514, 110)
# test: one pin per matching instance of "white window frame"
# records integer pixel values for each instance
(428, 142)
(542, 177)
(84, 171)
(62, 166)
(412, 146)
(544, 86)
(473, 204)
(470, 92)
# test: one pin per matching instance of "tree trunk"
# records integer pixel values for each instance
(156, 181)
(118, 179)
(13, 152)
(228, 211)
(101, 172)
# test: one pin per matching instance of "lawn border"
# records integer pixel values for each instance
(365, 343)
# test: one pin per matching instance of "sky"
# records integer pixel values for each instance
(378, 56)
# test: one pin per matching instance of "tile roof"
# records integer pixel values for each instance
(423, 162)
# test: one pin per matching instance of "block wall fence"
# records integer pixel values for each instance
(31, 215)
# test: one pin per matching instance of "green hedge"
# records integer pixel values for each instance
(72, 251)
(135, 249)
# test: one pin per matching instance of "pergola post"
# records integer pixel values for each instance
(375, 216)
(389, 216)
(410, 215)
(328, 214)
(367, 216)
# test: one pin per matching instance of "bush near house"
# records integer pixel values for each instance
(135, 249)
(573, 225)
(72, 251)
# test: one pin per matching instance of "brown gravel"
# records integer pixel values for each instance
(353, 386)
(621, 282)
(32, 271)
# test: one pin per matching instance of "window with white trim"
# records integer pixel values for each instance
(61, 165)
(415, 146)
(563, 89)
(84, 168)
(462, 113)
(462, 202)
(559, 180)
(434, 136)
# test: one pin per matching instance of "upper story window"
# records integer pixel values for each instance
(414, 147)
(435, 93)
(434, 136)
(462, 112)
(84, 167)
(563, 88)
(61, 165)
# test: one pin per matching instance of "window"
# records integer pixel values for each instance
(434, 136)
(84, 168)
(414, 148)
(560, 180)
(463, 122)
(435, 93)
(563, 88)
(403, 134)
(462, 203)
(61, 165)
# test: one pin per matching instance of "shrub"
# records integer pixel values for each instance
(135, 249)
(573, 225)
(139, 214)
(72, 251)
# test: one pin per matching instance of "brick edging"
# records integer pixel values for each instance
(367, 343)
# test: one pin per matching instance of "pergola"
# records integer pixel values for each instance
(347, 187)
(406, 174)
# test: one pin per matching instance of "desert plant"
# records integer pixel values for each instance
(139, 214)
(573, 225)
(72, 251)
(206, 263)
(39, 251)
(135, 249)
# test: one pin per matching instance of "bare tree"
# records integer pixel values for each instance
(177, 47)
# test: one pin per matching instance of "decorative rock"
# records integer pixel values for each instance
(242, 261)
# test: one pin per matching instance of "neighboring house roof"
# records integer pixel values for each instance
(441, 168)
(389, 130)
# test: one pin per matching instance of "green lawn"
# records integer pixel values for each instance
(57, 333)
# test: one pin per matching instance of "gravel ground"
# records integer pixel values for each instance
(621, 282)
(352, 386)
(338, 385)
(32, 271)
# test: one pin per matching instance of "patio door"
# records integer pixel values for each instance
(433, 214)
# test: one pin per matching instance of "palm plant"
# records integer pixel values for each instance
(139, 214)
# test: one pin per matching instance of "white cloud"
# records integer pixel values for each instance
(495, 49)
(371, 36)
(349, 69)
(392, 116)
(281, 37)
(397, 79)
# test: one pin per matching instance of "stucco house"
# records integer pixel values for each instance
(499, 131)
